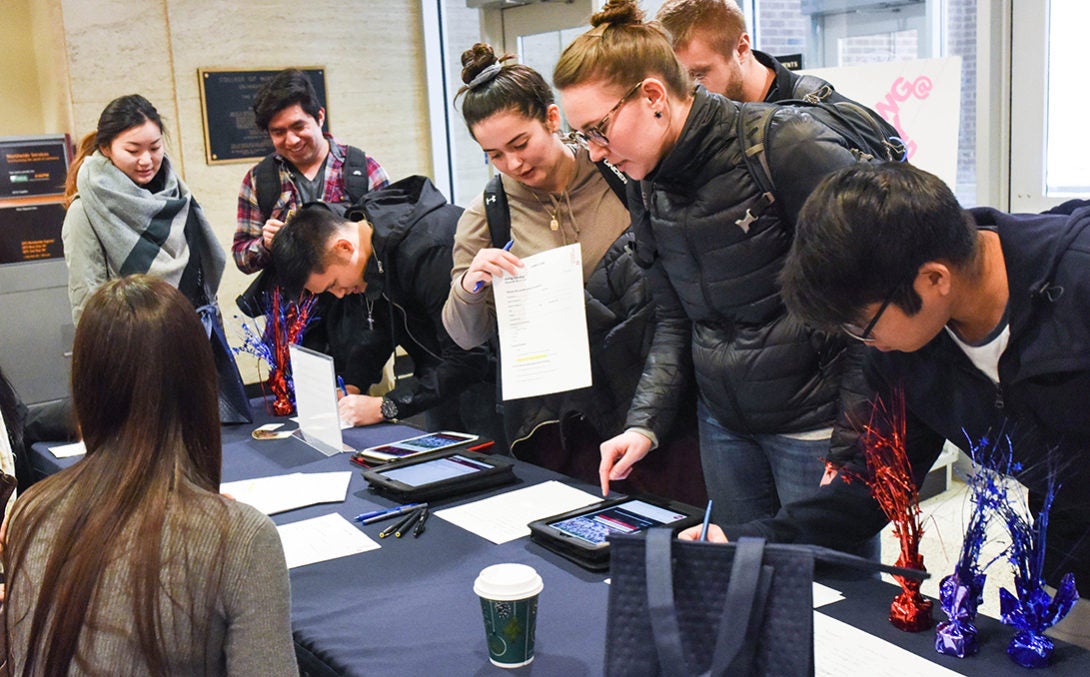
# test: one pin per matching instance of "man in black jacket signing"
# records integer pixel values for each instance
(399, 249)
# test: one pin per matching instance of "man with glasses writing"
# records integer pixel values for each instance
(980, 318)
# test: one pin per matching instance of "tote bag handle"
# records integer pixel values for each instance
(743, 606)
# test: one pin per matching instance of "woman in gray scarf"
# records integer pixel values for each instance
(129, 212)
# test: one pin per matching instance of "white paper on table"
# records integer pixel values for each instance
(322, 538)
(542, 320)
(505, 517)
(867, 655)
(280, 493)
(823, 595)
(69, 450)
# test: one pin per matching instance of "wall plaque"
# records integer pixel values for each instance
(227, 96)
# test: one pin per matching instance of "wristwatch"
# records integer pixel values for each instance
(388, 409)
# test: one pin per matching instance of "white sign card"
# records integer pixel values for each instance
(315, 381)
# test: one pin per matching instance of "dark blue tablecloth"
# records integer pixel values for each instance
(409, 607)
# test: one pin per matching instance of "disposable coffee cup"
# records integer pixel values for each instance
(509, 594)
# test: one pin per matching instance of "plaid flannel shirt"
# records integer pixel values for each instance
(248, 246)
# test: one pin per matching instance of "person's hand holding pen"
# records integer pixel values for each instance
(488, 262)
(706, 531)
(357, 410)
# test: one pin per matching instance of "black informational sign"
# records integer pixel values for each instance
(31, 232)
(792, 62)
(33, 166)
(227, 97)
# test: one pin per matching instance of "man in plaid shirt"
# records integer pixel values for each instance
(310, 165)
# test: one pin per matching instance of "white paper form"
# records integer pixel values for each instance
(823, 595)
(281, 493)
(505, 517)
(69, 450)
(869, 655)
(542, 322)
(322, 538)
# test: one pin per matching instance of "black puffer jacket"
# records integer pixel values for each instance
(413, 239)
(622, 331)
(714, 246)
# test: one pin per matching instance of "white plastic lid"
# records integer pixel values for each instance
(508, 581)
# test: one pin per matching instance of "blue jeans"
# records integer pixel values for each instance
(750, 476)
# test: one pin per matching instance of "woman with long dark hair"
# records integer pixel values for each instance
(130, 212)
(130, 561)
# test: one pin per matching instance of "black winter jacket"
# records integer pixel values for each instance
(413, 239)
(1044, 376)
(713, 248)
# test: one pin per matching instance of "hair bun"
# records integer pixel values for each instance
(618, 13)
(476, 59)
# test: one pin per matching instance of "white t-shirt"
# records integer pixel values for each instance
(985, 355)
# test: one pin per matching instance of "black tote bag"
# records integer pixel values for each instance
(697, 608)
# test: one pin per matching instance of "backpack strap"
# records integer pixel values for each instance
(497, 212)
(752, 129)
(267, 184)
(357, 180)
(811, 88)
(616, 179)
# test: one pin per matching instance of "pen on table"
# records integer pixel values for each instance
(482, 446)
(379, 515)
(401, 524)
(707, 518)
(480, 283)
(340, 384)
(419, 528)
(418, 517)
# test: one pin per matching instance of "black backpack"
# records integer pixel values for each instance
(267, 179)
(869, 136)
(267, 185)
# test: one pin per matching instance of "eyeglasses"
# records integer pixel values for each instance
(597, 132)
(864, 334)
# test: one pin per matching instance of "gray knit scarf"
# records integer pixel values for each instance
(144, 232)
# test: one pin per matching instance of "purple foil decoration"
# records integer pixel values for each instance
(1032, 611)
(958, 635)
(961, 592)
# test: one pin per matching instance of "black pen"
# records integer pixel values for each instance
(419, 528)
(404, 522)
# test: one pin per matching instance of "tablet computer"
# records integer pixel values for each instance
(439, 475)
(414, 446)
(583, 535)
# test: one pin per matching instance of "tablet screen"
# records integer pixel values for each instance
(435, 470)
(627, 518)
(430, 442)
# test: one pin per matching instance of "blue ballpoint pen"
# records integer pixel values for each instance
(340, 384)
(379, 515)
(480, 283)
(707, 518)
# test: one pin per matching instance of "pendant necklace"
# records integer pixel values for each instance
(554, 215)
(370, 308)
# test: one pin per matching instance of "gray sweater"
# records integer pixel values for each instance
(248, 613)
